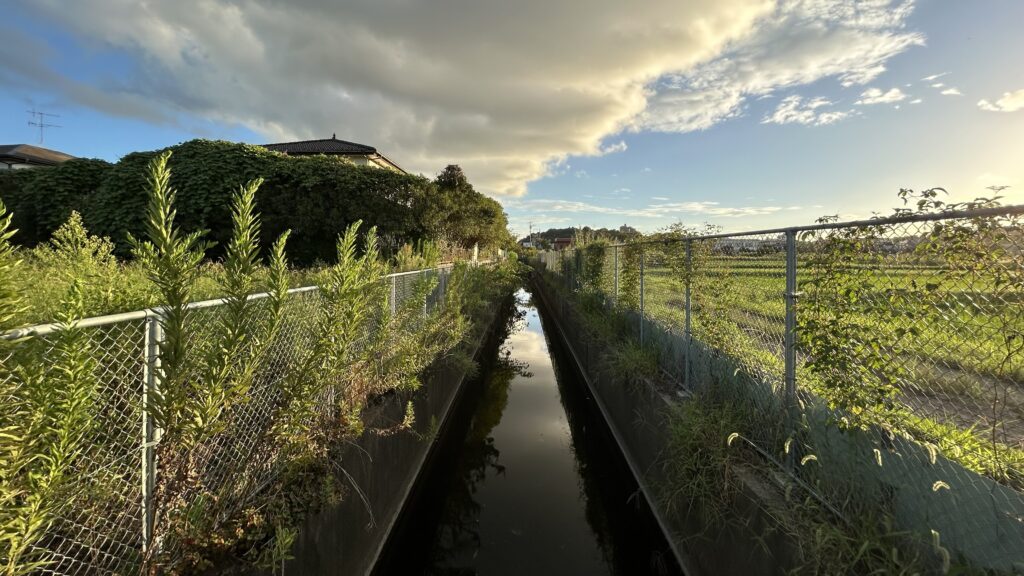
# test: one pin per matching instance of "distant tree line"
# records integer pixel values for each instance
(545, 239)
(317, 197)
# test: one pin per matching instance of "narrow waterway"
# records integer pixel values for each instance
(528, 480)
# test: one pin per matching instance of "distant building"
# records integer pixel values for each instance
(562, 243)
(360, 154)
(20, 156)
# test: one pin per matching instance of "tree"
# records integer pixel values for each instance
(454, 211)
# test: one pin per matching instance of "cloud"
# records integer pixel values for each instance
(876, 96)
(646, 170)
(661, 198)
(505, 89)
(659, 210)
(800, 42)
(621, 190)
(916, 101)
(934, 77)
(619, 146)
(1009, 102)
(951, 92)
(796, 110)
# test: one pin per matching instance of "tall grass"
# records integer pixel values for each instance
(281, 379)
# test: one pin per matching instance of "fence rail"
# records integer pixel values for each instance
(106, 533)
(898, 342)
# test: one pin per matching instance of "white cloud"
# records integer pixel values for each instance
(934, 77)
(951, 92)
(505, 89)
(876, 96)
(1009, 102)
(796, 110)
(659, 210)
(938, 85)
(802, 41)
(621, 190)
(619, 146)
(916, 101)
(646, 170)
(661, 198)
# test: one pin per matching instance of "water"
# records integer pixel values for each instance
(529, 480)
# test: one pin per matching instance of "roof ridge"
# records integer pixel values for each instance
(316, 140)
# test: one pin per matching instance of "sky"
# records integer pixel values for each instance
(747, 114)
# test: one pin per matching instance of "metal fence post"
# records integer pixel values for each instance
(394, 295)
(616, 282)
(642, 258)
(152, 338)
(687, 324)
(790, 340)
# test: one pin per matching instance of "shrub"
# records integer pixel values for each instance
(42, 199)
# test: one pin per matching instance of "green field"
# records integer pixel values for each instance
(959, 384)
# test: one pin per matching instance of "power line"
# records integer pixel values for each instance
(39, 121)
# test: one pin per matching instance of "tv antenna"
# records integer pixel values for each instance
(39, 120)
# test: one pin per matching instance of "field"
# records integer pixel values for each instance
(942, 341)
(908, 366)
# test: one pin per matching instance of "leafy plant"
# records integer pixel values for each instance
(46, 419)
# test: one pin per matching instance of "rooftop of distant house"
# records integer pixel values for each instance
(32, 155)
(360, 153)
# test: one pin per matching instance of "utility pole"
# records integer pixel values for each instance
(39, 121)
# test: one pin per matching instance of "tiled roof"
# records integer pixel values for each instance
(327, 146)
(33, 154)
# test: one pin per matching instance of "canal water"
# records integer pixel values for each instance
(528, 479)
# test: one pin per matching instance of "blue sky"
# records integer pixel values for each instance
(743, 113)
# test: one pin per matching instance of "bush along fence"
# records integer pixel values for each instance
(196, 436)
(872, 370)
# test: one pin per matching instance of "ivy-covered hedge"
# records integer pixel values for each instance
(316, 197)
(43, 199)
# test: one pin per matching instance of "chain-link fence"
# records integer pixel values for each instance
(104, 527)
(884, 359)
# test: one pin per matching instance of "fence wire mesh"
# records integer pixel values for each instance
(907, 364)
(102, 530)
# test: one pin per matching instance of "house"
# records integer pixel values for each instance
(562, 243)
(19, 156)
(360, 154)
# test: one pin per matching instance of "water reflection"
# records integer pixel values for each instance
(529, 490)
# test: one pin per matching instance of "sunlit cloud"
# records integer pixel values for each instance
(877, 96)
(951, 92)
(797, 110)
(658, 210)
(1009, 102)
(543, 82)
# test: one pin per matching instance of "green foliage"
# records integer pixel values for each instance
(46, 421)
(172, 260)
(210, 362)
(316, 197)
(873, 297)
(460, 214)
(73, 255)
(591, 266)
(43, 198)
(545, 239)
(419, 255)
(629, 275)
(836, 328)
(11, 301)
